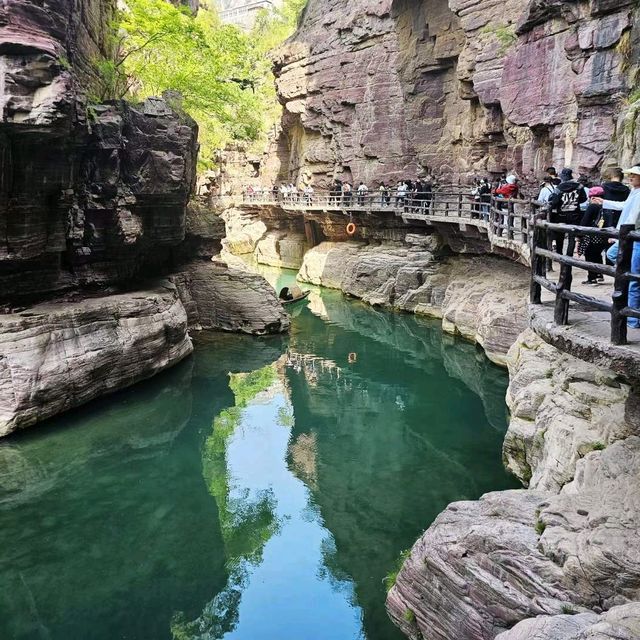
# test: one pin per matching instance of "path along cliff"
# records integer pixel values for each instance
(399, 89)
(103, 266)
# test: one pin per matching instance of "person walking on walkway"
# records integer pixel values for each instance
(630, 214)
(362, 194)
(346, 194)
(546, 189)
(507, 191)
(401, 194)
(564, 205)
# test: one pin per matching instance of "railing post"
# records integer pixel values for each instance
(510, 206)
(620, 294)
(561, 311)
(460, 205)
(538, 263)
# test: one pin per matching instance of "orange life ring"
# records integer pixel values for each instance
(351, 228)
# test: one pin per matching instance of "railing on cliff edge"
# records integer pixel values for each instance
(523, 222)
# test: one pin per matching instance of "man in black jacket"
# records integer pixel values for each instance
(564, 205)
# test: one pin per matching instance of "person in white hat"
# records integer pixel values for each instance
(630, 215)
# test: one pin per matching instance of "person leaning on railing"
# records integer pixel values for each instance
(630, 215)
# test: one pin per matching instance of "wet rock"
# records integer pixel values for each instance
(284, 249)
(217, 296)
(56, 356)
(561, 409)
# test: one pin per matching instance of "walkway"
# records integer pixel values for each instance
(594, 329)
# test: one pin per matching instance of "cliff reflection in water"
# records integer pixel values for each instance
(261, 490)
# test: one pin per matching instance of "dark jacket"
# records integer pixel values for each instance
(615, 191)
(565, 202)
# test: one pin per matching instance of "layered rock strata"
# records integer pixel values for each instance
(482, 299)
(60, 355)
(484, 566)
(217, 296)
(393, 89)
(561, 409)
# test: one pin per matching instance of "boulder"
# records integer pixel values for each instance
(484, 566)
(59, 355)
(218, 296)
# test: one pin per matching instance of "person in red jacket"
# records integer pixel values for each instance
(507, 191)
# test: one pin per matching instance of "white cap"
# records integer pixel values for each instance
(511, 179)
(634, 170)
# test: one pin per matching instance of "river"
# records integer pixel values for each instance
(261, 490)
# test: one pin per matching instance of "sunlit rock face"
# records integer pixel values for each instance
(89, 194)
(379, 91)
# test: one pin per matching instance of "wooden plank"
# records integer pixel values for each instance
(587, 301)
(604, 269)
(577, 230)
(561, 310)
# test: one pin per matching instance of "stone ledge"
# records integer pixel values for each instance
(587, 337)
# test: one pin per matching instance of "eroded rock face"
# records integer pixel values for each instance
(56, 356)
(561, 409)
(385, 90)
(217, 296)
(88, 194)
(620, 623)
(482, 299)
(484, 566)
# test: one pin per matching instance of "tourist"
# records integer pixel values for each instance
(274, 191)
(546, 188)
(362, 194)
(335, 193)
(596, 215)
(384, 193)
(552, 176)
(346, 194)
(284, 192)
(630, 213)
(564, 205)
(308, 194)
(506, 191)
(484, 193)
(401, 194)
(293, 192)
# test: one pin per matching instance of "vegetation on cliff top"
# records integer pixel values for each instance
(223, 74)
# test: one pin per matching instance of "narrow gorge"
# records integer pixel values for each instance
(421, 398)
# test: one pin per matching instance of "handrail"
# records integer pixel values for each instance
(517, 225)
(541, 255)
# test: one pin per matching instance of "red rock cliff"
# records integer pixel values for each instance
(387, 89)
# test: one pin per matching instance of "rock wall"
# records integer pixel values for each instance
(60, 355)
(397, 88)
(89, 194)
(482, 299)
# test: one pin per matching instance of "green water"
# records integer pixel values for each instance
(261, 490)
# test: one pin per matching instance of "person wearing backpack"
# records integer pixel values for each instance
(564, 205)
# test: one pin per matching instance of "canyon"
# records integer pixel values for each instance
(106, 263)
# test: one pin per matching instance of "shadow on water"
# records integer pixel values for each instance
(260, 490)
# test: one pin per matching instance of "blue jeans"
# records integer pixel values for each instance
(634, 287)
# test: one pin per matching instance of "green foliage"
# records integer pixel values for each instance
(504, 34)
(409, 616)
(567, 609)
(593, 446)
(391, 577)
(540, 527)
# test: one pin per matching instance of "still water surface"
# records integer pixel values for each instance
(261, 490)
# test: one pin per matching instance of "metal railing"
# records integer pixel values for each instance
(542, 256)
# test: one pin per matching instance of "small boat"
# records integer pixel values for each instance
(292, 295)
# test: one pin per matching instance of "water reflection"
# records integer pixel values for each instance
(261, 490)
